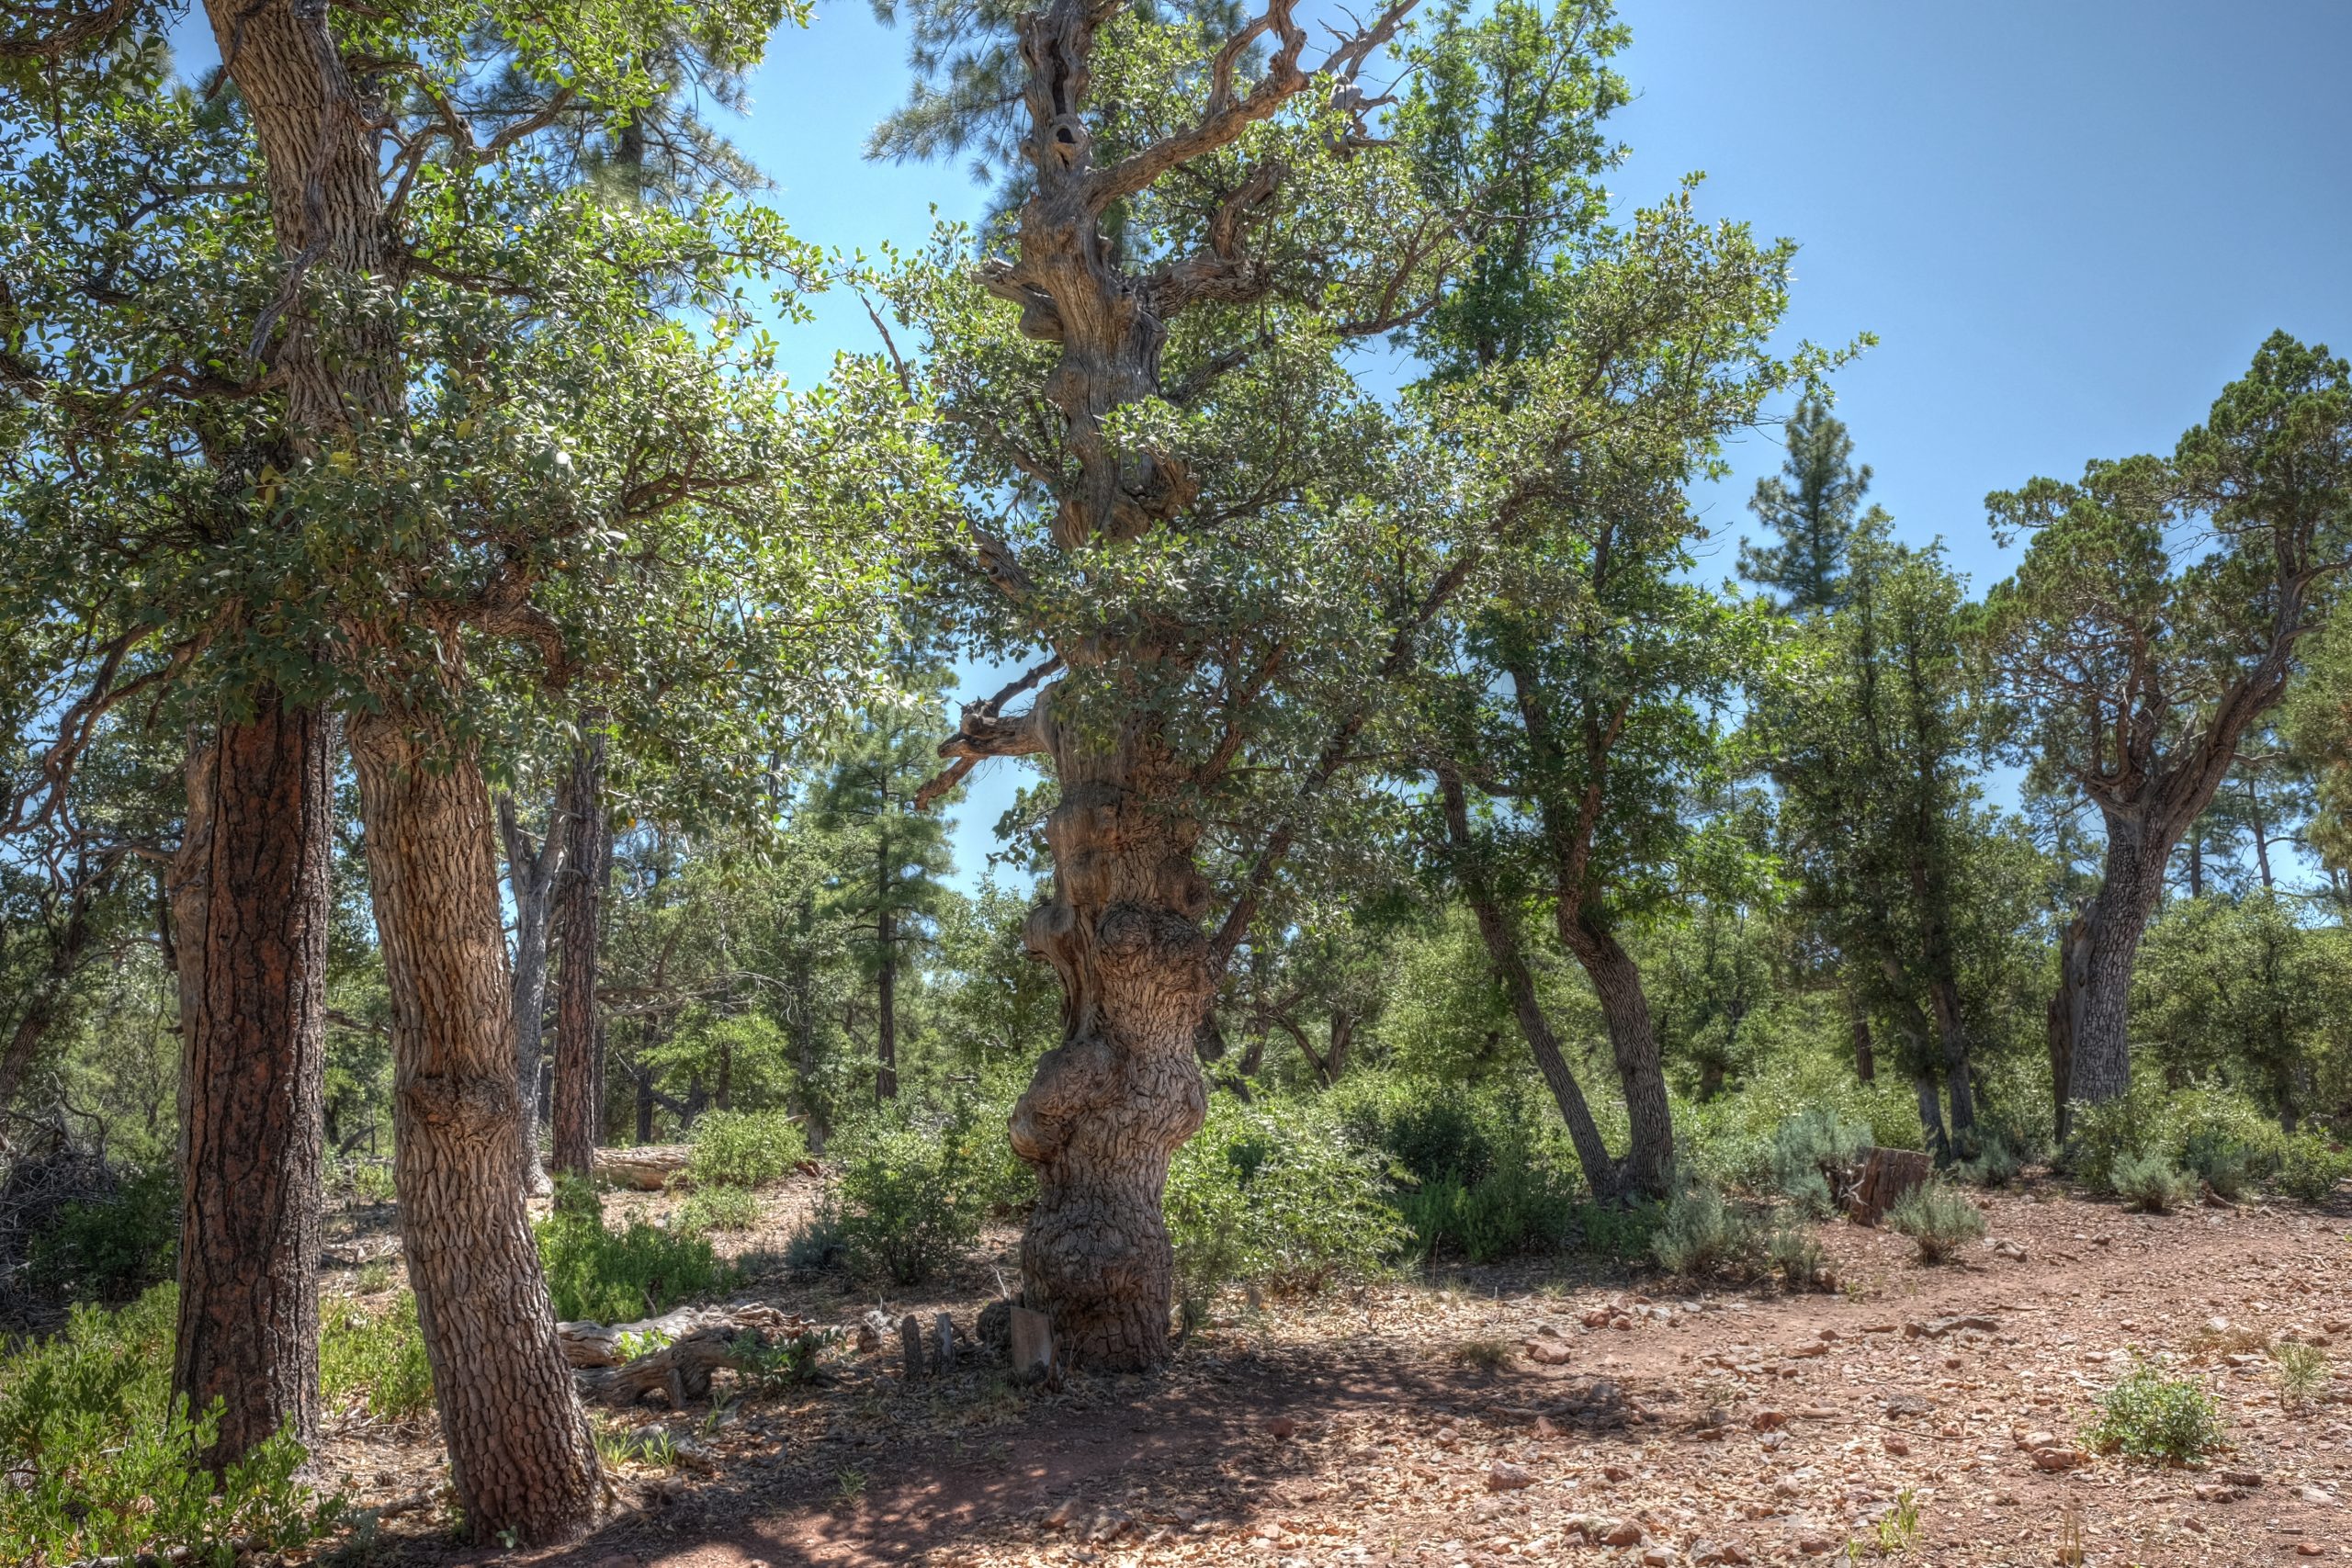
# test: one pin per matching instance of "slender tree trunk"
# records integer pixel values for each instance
(643, 1078)
(1632, 1039)
(1952, 1033)
(579, 927)
(1865, 1057)
(1931, 1117)
(886, 1007)
(2197, 858)
(521, 1457)
(531, 875)
(1108, 1107)
(255, 907)
(2261, 833)
(2098, 1016)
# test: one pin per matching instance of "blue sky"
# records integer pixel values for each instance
(2068, 224)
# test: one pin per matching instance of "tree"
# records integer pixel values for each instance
(533, 871)
(1814, 508)
(1565, 730)
(2156, 618)
(889, 857)
(578, 926)
(1872, 740)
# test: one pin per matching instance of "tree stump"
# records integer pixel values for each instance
(1887, 1175)
(1032, 1346)
(944, 1331)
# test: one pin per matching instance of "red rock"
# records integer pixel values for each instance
(1505, 1476)
(1282, 1426)
(1898, 1447)
(1768, 1420)
(1616, 1472)
(2057, 1459)
(1625, 1532)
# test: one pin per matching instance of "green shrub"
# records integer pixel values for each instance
(2224, 1163)
(1797, 1256)
(99, 1457)
(907, 1197)
(2302, 1373)
(708, 1209)
(1701, 1234)
(1517, 1207)
(1433, 1212)
(2311, 1168)
(2150, 1415)
(1936, 1218)
(377, 1355)
(744, 1148)
(2133, 1123)
(818, 1242)
(1809, 1150)
(110, 1248)
(1274, 1193)
(2149, 1181)
(608, 1276)
(1619, 1231)
(1992, 1160)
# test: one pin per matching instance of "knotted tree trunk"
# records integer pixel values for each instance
(1112, 1103)
(252, 908)
(2094, 995)
(520, 1454)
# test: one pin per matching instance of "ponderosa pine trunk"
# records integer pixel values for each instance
(531, 874)
(522, 1457)
(579, 931)
(252, 904)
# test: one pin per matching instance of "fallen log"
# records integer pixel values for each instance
(647, 1168)
(684, 1349)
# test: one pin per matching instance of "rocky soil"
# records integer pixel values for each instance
(1926, 1416)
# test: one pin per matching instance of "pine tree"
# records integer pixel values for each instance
(1813, 509)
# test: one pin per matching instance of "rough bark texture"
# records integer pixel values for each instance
(1633, 1040)
(2096, 986)
(520, 1455)
(579, 927)
(531, 875)
(252, 944)
(886, 993)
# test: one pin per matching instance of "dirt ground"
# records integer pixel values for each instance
(1504, 1416)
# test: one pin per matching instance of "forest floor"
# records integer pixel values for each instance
(1407, 1424)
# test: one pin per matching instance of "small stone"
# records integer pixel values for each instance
(1624, 1532)
(1547, 1352)
(1816, 1545)
(1616, 1472)
(1620, 1321)
(2057, 1459)
(2242, 1477)
(1768, 1420)
(1546, 1428)
(1898, 1447)
(2318, 1495)
(1658, 1557)
(1504, 1476)
(2310, 1548)
(2032, 1441)
(1281, 1426)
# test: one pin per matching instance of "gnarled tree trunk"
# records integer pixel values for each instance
(1632, 1039)
(2096, 986)
(1110, 1105)
(579, 927)
(252, 906)
(520, 1454)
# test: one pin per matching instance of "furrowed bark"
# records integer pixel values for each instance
(520, 1454)
(579, 927)
(253, 906)
(1633, 1040)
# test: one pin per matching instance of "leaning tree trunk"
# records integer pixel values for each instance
(2096, 1017)
(1632, 1039)
(520, 1455)
(579, 927)
(252, 906)
(1110, 1105)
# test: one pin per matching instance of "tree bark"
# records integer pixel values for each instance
(579, 927)
(2097, 1019)
(885, 990)
(531, 877)
(254, 906)
(1865, 1058)
(520, 1455)
(1632, 1039)
(1108, 1107)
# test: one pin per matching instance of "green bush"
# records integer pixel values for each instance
(909, 1194)
(2150, 1181)
(99, 1459)
(2224, 1163)
(110, 1248)
(1939, 1219)
(1992, 1160)
(608, 1276)
(1797, 1256)
(708, 1209)
(1619, 1231)
(744, 1148)
(1274, 1193)
(1517, 1207)
(818, 1242)
(377, 1355)
(1809, 1150)
(2150, 1415)
(1701, 1234)
(2311, 1168)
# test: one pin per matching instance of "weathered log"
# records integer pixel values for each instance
(1032, 1346)
(647, 1168)
(910, 1347)
(594, 1344)
(680, 1371)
